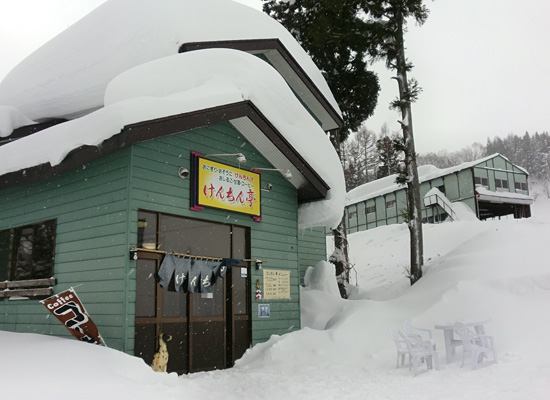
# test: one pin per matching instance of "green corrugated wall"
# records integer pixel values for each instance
(96, 208)
(91, 248)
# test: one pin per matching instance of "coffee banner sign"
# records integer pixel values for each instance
(68, 309)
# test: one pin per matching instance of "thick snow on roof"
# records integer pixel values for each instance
(69, 74)
(503, 197)
(189, 82)
(11, 118)
(425, 173)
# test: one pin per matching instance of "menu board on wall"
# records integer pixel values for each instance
(276, 284)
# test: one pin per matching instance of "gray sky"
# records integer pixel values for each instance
(482, 65)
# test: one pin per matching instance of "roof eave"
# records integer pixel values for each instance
(311, 187)
(287, 66)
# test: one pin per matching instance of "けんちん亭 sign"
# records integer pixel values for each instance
(222, 186)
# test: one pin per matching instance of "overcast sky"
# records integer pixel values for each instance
(482, 65)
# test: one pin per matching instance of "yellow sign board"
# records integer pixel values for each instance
(228, 188)
(276, 284)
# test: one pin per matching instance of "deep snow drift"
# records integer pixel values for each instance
(493, 269)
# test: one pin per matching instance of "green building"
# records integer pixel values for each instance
(179, 142)
(486, 188)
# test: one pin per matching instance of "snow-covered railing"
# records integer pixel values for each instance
(432, 198)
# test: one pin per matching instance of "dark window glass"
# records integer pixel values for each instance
(144, 345)
(239, 282)
(147, 230)
(28, 252)
(174, 304)
(5, 254)
(199, 238)
(209, 304)
(146, 287)
(23, 267)
(43, 250)
(501, 183)
(178, 347)
(481, 181)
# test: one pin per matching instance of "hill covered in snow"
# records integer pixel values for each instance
(496, 270)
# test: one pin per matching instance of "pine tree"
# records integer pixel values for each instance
(333, 34)
(388, 156)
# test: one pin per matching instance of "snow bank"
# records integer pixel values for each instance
(320, 297)
(58, 368)
(69, 74)
(495, 270)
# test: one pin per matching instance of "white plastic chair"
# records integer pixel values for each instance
(414, 333)
(401, 346)
(419, 351)
(476, 344)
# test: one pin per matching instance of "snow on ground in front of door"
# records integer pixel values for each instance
(496, 270)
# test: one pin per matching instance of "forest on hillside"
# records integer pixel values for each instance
(367, 156)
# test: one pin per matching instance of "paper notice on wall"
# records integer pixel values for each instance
(276, 284)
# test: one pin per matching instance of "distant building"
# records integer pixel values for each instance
(486, 188)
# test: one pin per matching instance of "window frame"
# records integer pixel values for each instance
(501, 184)
(481, 181)
(32, 287)
(521, 186)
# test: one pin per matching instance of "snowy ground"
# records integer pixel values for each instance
(474, 270)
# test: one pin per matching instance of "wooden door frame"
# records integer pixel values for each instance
(227, 316)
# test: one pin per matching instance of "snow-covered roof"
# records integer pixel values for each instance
(387, 184)
(67, 77)
(503, 197)
(188, 82)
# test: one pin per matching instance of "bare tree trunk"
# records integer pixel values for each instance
(340, 256)
(413, 183)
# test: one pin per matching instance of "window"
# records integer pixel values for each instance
(371, 209)
(390, 203)
(27, 254)
(481, 181)
(521, 186)
(352, 215)
(501, 184)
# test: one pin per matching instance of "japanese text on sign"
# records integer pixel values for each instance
(276, 284)
(222, 186)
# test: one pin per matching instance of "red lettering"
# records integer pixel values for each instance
(210, 189)
(219, 193)
(250, 198)
(229, 195)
